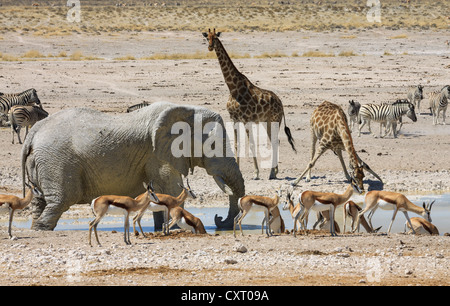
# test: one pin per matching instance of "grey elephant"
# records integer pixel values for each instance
(79, 154)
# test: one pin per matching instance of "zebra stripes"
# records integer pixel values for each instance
(415, 94)
(387, 114)
(352, 112)
(137, 106)
(439, 102)
(27, 97)
(25, 116)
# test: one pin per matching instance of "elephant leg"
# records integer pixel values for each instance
(232, 213)
(158, 218)
(38, 205)
(50, 215)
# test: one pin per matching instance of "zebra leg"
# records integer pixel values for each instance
(18, 134)
(443, 115)
(363, 122)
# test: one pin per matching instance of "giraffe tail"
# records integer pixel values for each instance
(289, 135)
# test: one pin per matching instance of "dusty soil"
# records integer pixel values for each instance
(385, 65)
(48, 258)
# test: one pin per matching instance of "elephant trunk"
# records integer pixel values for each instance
(232, 183)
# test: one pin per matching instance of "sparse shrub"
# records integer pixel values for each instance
(347, 53)
(126, 58)
(33, 54)
(317, 54)
(8, 58)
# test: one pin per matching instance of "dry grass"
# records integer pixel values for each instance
(50, 21)
(347, 53)
(8, 58)
(127, 57)
(271, 55)
(33, 54)
(78, 56)
(195, 55)
(317, 54)
(401, 36)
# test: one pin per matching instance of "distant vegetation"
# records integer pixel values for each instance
(49, 18)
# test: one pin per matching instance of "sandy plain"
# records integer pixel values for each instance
(109, 74)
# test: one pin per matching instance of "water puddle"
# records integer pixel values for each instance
(440, 215)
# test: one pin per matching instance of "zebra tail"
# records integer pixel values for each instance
(289, 135)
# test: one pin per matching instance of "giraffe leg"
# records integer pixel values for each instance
(341, 159)
(313, 152)
(274, 147)
(251, 140)
(310, 165)
(236, 146)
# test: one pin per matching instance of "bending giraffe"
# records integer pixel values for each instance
(248, 103)
(329, 126)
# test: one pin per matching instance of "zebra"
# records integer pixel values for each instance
(137, 106)
(25, 116)
(387, 114)
(439, 102)
(415, 94)
(353, 111)
(27, 97)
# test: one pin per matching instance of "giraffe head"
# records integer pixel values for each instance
(211, 38)
(357, 175)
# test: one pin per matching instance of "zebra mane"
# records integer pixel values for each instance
(445, 87)
(18, 93)
(401, 101)
(137, 106)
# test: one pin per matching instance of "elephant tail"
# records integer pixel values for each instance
(26, 150)
(289, 135)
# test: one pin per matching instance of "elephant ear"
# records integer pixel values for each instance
(175, 123)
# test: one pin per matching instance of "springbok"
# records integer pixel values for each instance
(351, 210)
(256, 203)
(276, 222)
(422, 226)
(185, 220)
(102, 204)
(14, 203)
(322, 201)
(165, 204)
(395, 201)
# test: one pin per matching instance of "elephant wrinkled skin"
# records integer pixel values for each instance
(79, 154)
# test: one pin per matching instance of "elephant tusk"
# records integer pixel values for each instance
(222, 185)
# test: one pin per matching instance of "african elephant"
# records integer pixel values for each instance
(79, 154)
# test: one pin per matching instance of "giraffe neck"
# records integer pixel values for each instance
(347, 140)
(233, 78)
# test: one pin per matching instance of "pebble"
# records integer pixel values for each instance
(230, 261)
(240, 248)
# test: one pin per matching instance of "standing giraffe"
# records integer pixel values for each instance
(248, 103)
(329, 126)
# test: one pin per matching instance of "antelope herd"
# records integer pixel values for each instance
(329, 126)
